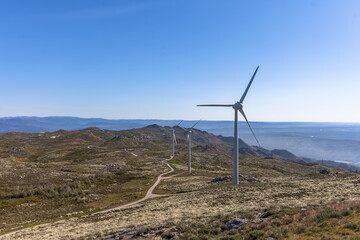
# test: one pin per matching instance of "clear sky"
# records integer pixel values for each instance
(159, 59)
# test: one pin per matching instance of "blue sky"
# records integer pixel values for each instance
(158, 59)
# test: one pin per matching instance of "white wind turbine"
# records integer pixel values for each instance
(188, 140)
(238, 106)
(174, 139)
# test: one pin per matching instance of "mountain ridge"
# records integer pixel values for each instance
(155, 134)
(335, 143)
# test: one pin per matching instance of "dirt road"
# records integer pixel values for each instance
(148, 195)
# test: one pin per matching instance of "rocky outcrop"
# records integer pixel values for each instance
(221, 179)
(324, 171)
(236, 223)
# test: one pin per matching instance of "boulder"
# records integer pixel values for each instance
(324, 171)
(252, 179)
(220, 179)
(249, 179)
(236, 223)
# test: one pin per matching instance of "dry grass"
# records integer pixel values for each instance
(197, 200)
(74, 182)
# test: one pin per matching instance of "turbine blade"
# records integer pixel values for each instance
(183, 128)
(179, 123)
(215, 105)
(195, 124)
(247, 89)
(243, 113)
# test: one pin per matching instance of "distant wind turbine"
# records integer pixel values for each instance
(188, 140)
(174, 139)
(238, 106)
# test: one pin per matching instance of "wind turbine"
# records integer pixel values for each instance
(188, 140)
(174, 139)
(238, 106)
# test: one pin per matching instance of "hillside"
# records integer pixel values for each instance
(323, 141)
(67, 175)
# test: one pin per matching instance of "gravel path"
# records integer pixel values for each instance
(148, 195)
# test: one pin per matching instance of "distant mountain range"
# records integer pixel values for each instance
(50, 124)
(323, 141)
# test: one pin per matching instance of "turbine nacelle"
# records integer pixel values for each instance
(238, 106)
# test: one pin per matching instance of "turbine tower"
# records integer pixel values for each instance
(188, 140)
(174, 139)
(238, 106)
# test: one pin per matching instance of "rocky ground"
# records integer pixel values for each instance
(195, 199)
(275, 198)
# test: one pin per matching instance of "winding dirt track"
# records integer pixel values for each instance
(148, 195)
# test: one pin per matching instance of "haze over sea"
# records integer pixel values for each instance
(328, 141)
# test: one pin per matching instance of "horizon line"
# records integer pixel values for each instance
(158, 119)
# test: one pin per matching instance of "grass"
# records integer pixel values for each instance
(24, 159)
(129, 192)
(339, 220)
(73, 181)
(72, 192)
(198, 210)
(176, 171)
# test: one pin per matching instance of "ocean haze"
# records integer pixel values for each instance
(328, 141)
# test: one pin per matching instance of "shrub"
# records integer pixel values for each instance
(227, 238)
(256, 234)
(215, 231)
(191, 236)
(326, 214)
(276, 224)
(300, 229)
(279, 233)
(168, 235)
(353, 227)
(233, 232)
(345, 213)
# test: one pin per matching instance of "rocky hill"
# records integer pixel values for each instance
(50, 146)
(37, 146)
(69, 175)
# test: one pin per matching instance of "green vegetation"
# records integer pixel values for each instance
(70, 175)
(339, 220)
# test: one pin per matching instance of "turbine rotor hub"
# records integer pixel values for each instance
(238, 106)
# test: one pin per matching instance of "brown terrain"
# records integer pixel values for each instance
(62, 185)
